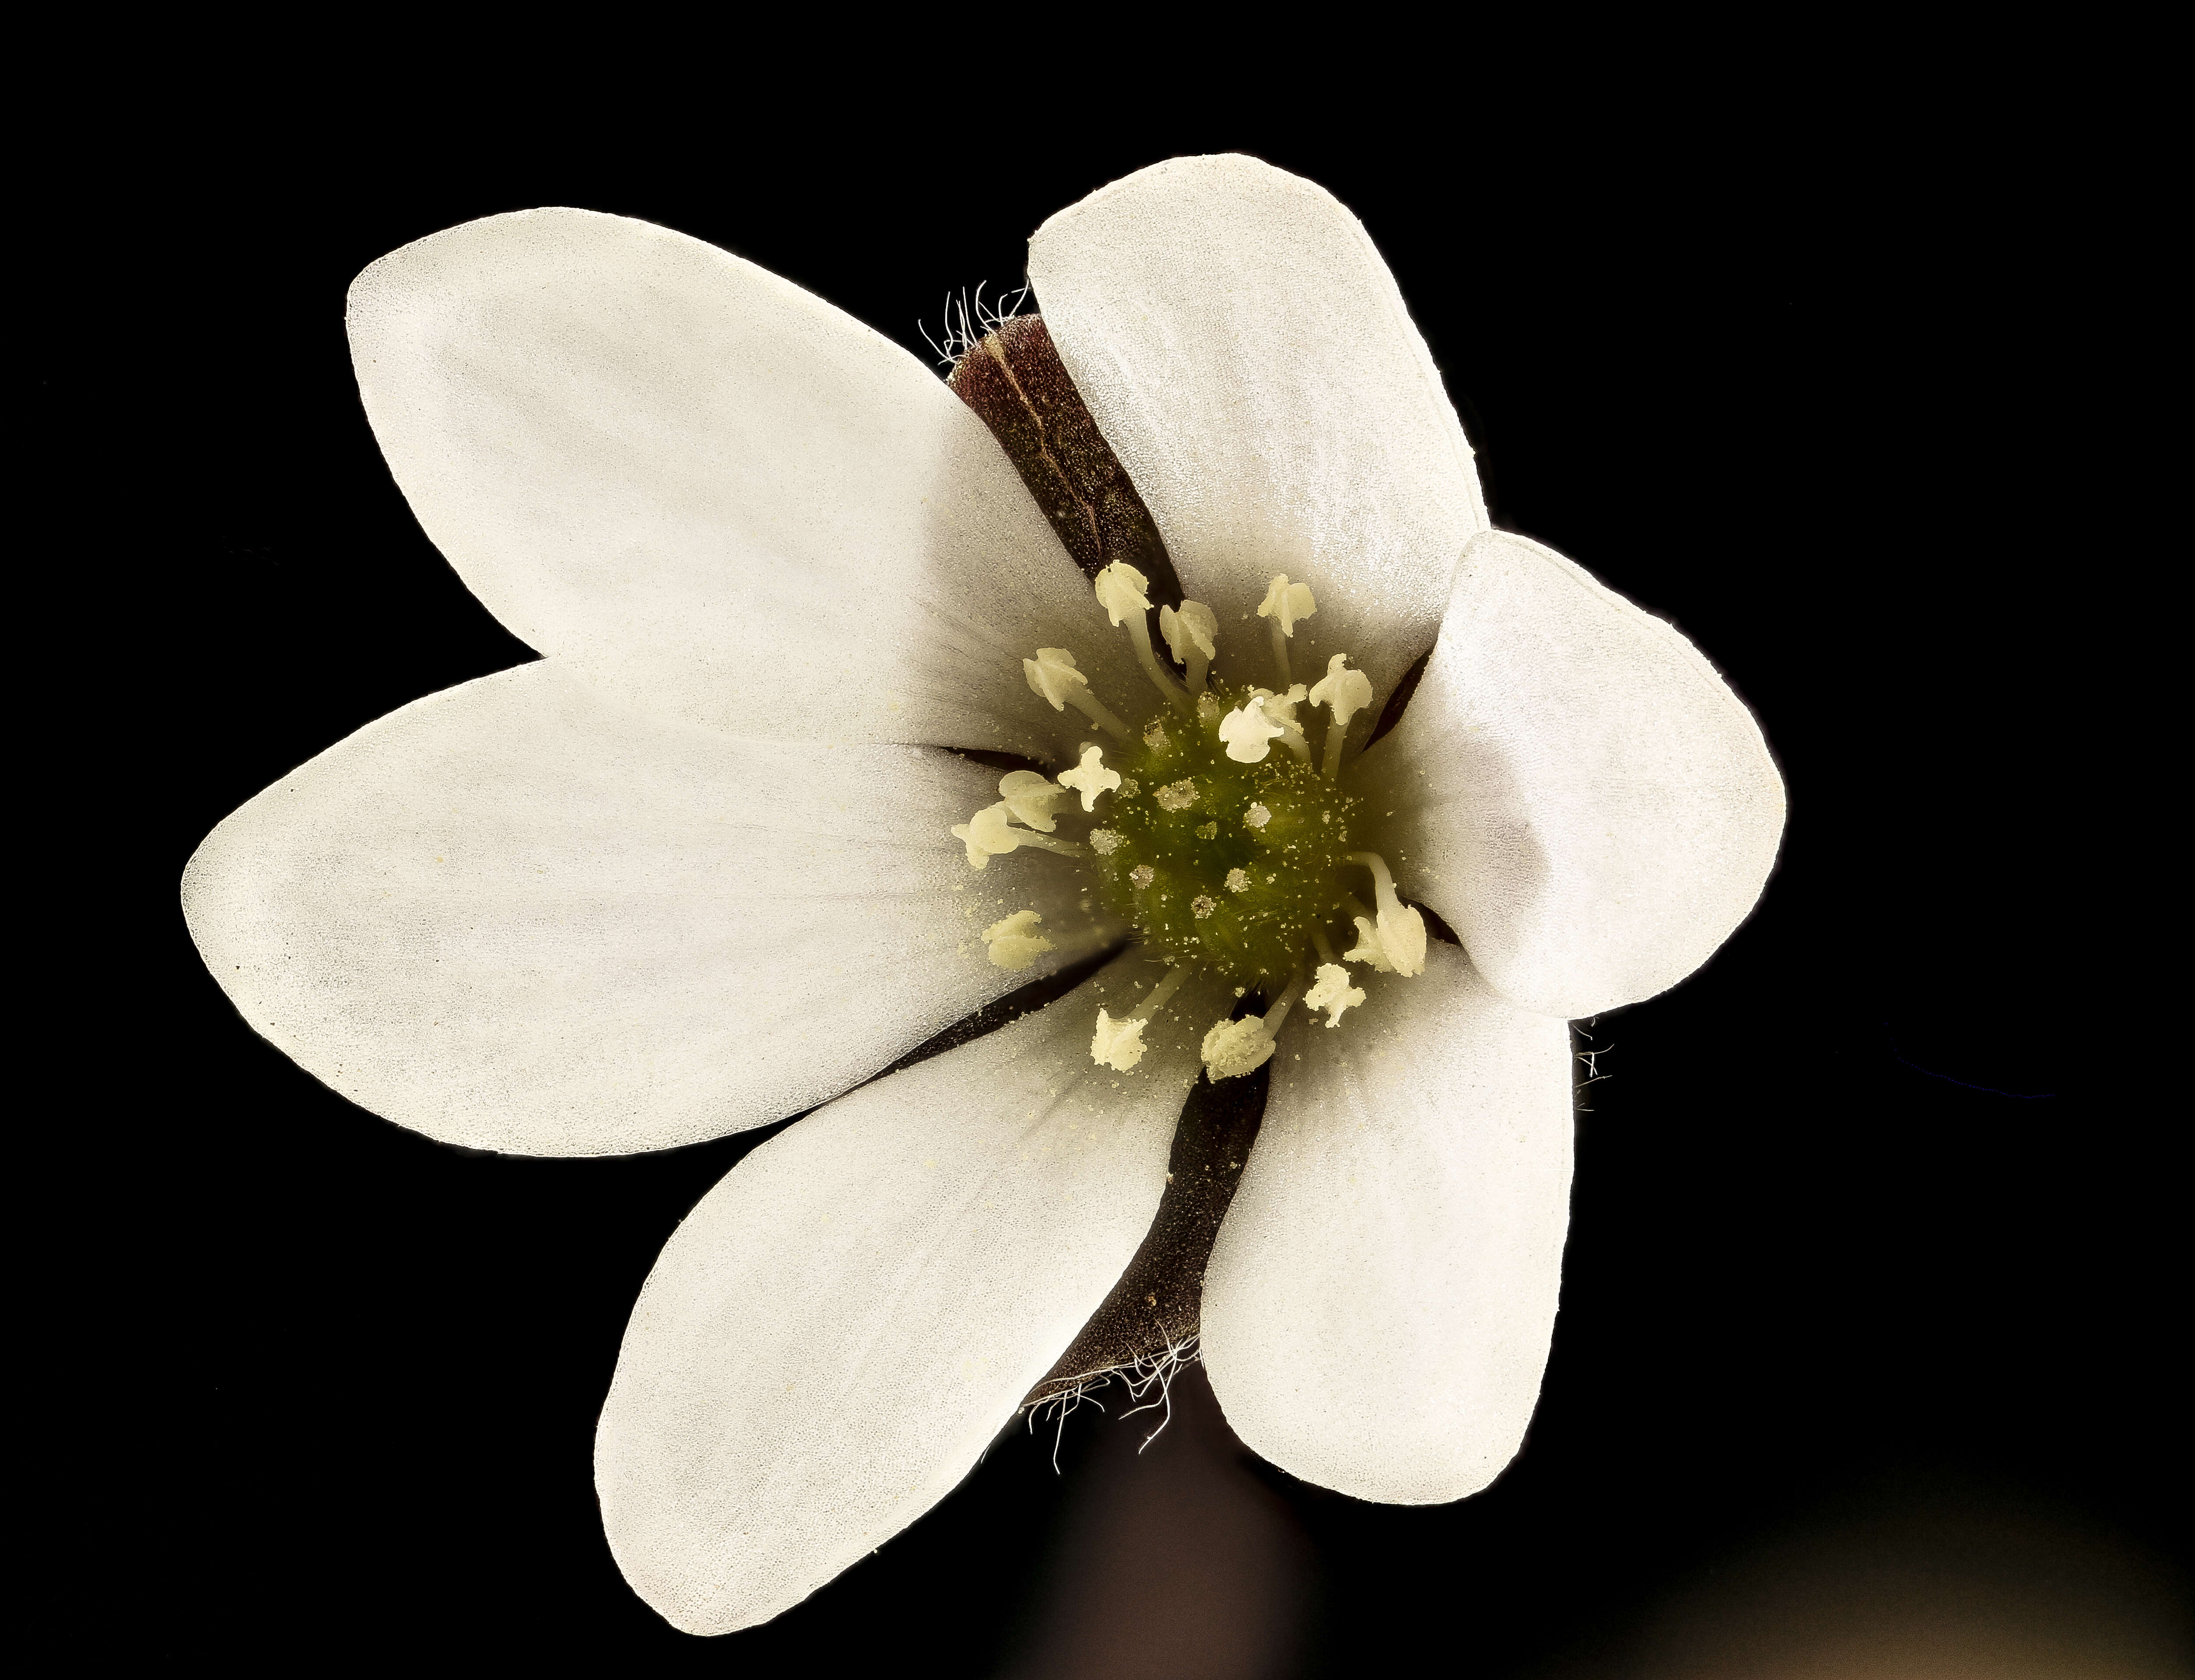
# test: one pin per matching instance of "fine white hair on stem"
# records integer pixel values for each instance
(1591, 1058)
(968, 321)
(1139, 1376)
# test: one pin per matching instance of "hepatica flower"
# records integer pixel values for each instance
(871, 703)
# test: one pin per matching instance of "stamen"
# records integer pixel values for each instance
(1281, 709)
(1249, 733)
(1011, 944)
(989, 834)
(1323, 944)
(1401, 930)
(1053, 677)
(1347, 693)
(1333, 992)
(1169, 983)
(1285, 603)
(1234, 1048)
(1192, 637)
(1119, 1044)
(1090, 778)
(1121, 593)
(1031, 796)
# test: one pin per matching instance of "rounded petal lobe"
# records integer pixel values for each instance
(1578, 793)
(515, 916)
(1244, 349)
(709, 490)
(1379, 1305)
(833, 1337)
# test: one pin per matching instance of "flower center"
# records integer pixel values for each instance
(1223, 853)
(1227, 865)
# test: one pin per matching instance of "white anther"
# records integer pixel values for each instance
(1237, 882)
(988, 835)
(1248, 734)
(1090, 778)
(1287, 602)
(1121, 591)
(1031, 796)
(1368, 948)
(1234, 1048)
(1192, 637)
(1333, 992)
(1119, 1044)
(1399, 934)
(1012, 944)
(1282, 708)
(1346, 691)
(1053, 675)
(1257, 816)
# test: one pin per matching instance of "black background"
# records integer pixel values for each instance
(1860, 1228)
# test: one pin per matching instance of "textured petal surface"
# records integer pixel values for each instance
(1575, 791)
(837, 1332)
(711, 489)
(1378, 1308)
(515, 916)
(1243, 348)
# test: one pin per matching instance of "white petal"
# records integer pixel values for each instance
(837, 1332)
(513, 917)
(1243, 348)
(1577, 792)
(710, 489)
(1378, 1308)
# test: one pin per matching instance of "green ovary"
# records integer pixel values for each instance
(1185, 825)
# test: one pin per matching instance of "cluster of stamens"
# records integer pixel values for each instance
(1223, 853)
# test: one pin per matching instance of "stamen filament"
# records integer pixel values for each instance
(1325, 946)
(1279, 1012)
(1198, 665)
(1383, 882)
(1046, 842)
(1139, 632)
(1155, 999)
(1336, 733)
(1291, 738)
(1094, 709)
(1280, 651)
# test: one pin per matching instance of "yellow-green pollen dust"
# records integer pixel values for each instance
(1227, 865)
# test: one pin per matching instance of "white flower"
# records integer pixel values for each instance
(689, 872)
